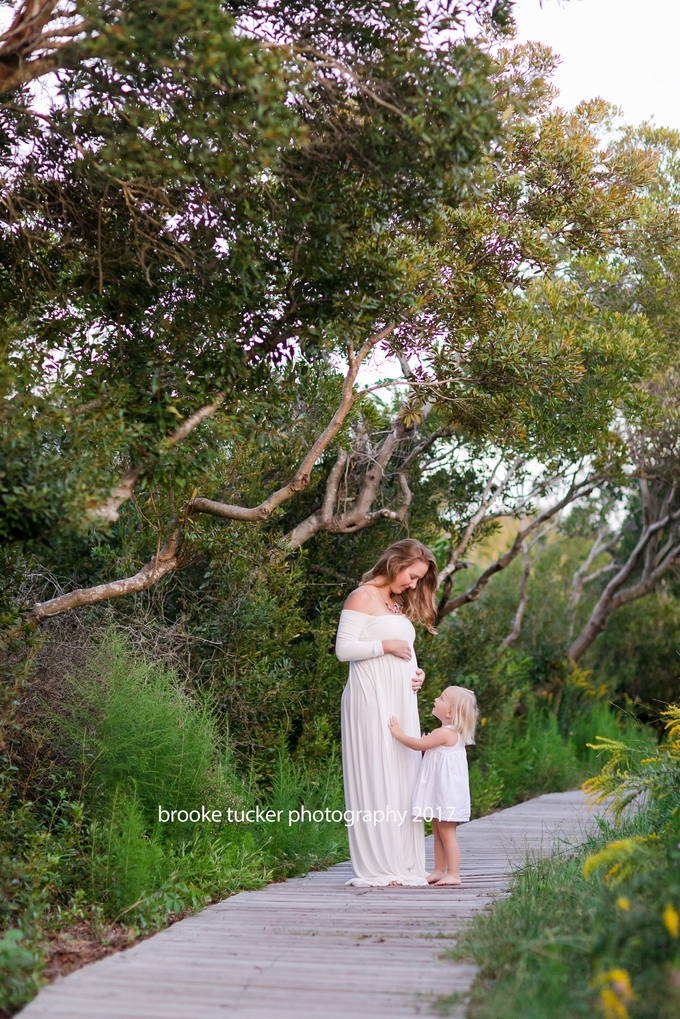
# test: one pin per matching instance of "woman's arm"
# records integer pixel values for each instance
(348, 645)
(436, 738)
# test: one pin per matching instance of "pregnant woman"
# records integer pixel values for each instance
(376, 636)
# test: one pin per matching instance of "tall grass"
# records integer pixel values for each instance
(144, 745)
(137, 731)
(528, 754)
(130, 738)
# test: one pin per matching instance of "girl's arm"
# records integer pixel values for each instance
(436, 738)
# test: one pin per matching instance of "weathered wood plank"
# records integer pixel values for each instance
(313, 947)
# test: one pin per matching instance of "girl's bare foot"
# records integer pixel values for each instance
(449, 880)
(435, 876)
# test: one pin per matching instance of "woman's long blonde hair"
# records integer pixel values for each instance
(418, 605)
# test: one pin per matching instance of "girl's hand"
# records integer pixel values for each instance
(398, 648)
(395, 728)
(417, 680)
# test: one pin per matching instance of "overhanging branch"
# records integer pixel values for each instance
(655, 563)
(29, 48)
(302, 476)
(165, 562)
(167, 558)
(576, 491)
(107, 510)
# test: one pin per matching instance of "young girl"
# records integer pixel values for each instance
(442, 792)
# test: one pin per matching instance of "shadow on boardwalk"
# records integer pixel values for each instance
(312, 947)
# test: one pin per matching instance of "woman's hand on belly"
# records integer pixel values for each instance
(418, 680)
(398, 648)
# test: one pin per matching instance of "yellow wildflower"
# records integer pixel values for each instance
(613, 997)
(622, 859)
(671, 920)
(623, 902)
(612, 1006)
(620, 982)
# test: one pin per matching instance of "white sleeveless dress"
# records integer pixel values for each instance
(443, 786)
(386, 844)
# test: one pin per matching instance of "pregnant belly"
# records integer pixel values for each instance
(381, 687)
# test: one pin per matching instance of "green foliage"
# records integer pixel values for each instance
(129, 738)
(599, 928)
(127, 859)
(137, 732)
(529, 757)
(526, 754)
(18, 964)
(639, 650)
(197, 204)
(229, 211)
(630, 772)
(635, 663)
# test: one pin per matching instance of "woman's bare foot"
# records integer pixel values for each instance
(395, 884)
(449, 880)
(435, 876)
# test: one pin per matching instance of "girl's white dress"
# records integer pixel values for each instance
(443, 786)
(379, 773)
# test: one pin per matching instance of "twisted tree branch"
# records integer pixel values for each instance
(490, 494)
(576, 491)
(164, 562)
(529, 564)
(301, 477)
(107, 510)
(655, 564)
(167, 558)
(26, 38)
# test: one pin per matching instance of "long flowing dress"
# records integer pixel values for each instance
(386, 844)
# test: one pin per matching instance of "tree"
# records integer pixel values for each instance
(154, 276)
(631, 518)
(200, 201)
(645, 279)
(648, 545)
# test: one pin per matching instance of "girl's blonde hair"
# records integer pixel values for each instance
(464, 711)
(418, 605)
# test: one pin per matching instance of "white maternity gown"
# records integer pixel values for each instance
(379, 772)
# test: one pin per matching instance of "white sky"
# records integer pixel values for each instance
(625, 51)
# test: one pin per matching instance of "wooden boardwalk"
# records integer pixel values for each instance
(313, 947)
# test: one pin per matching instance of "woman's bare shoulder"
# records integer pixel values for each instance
(363, 599)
